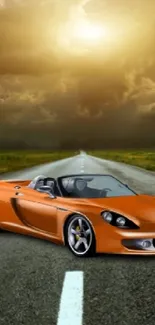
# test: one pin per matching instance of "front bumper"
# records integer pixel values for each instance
(119, 241)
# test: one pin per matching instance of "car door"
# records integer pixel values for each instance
(36, 211)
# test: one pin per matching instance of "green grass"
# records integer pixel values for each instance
(142, 158)
(16, 160)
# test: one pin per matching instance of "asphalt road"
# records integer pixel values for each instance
(44, 284)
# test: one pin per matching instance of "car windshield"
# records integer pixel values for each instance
(93, 186)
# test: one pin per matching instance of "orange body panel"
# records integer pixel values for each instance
(29, 212)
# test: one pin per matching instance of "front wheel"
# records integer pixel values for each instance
(80, 236)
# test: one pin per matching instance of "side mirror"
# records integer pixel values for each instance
(46, 189)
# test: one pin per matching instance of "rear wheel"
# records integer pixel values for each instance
(80, 236)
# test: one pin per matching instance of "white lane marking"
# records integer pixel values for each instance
(82, 164)
(71, 303)
(82, 168)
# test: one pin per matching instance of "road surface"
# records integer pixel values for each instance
(44, 284)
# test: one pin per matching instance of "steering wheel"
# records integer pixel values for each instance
(103, 192)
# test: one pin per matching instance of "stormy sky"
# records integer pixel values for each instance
(59, 91)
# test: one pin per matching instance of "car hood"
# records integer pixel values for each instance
(141, 207)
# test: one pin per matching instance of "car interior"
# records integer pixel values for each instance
(78, 187)
(73, 187)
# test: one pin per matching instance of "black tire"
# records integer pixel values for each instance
(91, 242)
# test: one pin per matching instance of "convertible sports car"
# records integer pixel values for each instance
(88, 213)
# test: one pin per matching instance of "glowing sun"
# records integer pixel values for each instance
(86, 31)
(79, 36)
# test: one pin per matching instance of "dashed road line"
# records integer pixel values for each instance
(71, 303)
(82, 168)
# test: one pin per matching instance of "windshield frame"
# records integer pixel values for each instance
(59, 179)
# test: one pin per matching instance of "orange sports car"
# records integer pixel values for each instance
(88, 212)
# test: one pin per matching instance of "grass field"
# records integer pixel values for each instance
(143, 158)
(16, 160)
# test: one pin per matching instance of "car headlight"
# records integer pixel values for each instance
(118, 220)
(107, 216)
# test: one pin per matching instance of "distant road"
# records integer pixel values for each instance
(108, 290)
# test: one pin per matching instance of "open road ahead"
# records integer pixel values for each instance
(44, 284)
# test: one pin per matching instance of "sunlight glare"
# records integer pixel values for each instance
(81, 36)
(88, 32)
